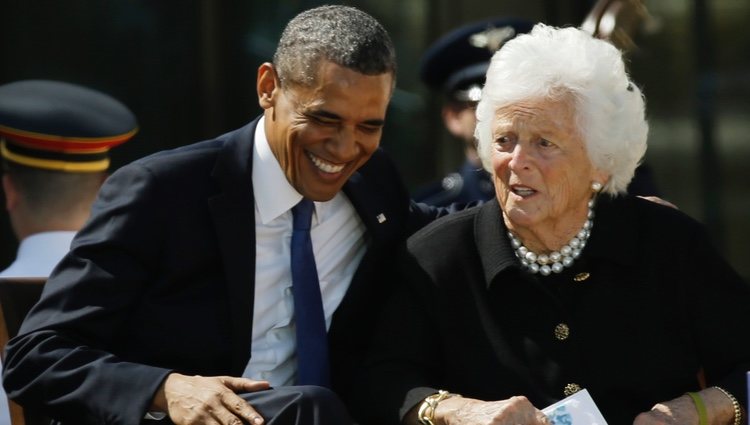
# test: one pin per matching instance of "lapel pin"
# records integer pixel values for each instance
(381, 218)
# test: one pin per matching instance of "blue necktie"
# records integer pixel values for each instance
(312, 339)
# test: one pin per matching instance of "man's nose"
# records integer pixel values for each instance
(344, 145)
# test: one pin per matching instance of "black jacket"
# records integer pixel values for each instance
(161, 279)
(648, 305)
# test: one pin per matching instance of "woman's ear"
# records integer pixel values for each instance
(266, 85)
(600, 177)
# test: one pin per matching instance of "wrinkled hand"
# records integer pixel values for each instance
(467, 411)
(207, 400)
(679, 411)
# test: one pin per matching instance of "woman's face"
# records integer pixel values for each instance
(542, 172)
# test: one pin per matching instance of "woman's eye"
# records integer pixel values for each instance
(502, 140)
(503, 143)
(545, 143)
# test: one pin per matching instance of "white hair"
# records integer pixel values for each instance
(566, 63)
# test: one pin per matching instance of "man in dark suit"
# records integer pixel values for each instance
(178, 293)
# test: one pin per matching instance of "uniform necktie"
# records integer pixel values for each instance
(312, 339)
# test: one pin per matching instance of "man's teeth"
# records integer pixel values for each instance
(324, 166)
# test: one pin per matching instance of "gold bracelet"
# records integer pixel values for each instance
(426, 412)
(735, 404)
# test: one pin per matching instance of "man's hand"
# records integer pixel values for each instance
(207, 400)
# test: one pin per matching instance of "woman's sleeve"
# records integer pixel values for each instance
(404, 359)
(719, 305)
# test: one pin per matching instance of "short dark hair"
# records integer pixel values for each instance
(343, 35)
(51, 192)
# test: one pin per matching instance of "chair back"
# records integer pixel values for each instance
(17, 296)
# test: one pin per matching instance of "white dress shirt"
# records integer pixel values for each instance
(37, 255)
(338, 239)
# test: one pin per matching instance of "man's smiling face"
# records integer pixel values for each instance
(323, 133)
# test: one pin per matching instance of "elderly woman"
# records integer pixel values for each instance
(562, 282)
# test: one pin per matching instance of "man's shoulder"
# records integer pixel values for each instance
(380, 179)
(444, 231)
(379, 162)
(200, 156)
(206, 149)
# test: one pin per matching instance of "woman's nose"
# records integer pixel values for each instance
(519, 157)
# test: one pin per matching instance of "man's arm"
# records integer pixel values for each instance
(61, 362)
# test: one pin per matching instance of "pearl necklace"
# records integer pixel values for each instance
(557, 260)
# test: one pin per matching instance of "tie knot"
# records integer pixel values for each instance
(302, 213)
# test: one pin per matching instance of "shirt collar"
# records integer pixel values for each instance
(274, 195)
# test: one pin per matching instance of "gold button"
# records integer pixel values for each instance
(562, 331)
(571, 389)
(580, 277)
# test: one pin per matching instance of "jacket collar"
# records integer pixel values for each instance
(377, 211)
(233, 213)
(493, 245)
(613, 237)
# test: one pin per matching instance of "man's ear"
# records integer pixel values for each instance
(267, 85)
(12, 197)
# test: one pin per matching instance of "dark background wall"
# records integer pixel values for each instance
(187, 69)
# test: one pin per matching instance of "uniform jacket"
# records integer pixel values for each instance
(161, 279)
(647, 305)
(470, 183)
(39, 253)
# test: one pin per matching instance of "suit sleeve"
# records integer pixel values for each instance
(63, 361)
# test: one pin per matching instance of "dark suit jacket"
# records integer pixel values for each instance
(656, 305)
(161, 279)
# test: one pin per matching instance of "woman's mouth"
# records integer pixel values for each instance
(522, 191)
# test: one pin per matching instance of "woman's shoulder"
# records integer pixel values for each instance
(654, 217)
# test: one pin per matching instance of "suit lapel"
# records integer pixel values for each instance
(382, 222)
(370, 207)
(233, 212)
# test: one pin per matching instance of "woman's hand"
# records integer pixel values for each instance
(679, 411)
(467, 411)
(682, 410)
(207, 400)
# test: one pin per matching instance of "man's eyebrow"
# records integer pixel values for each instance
(321, 113)
(374, 122)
